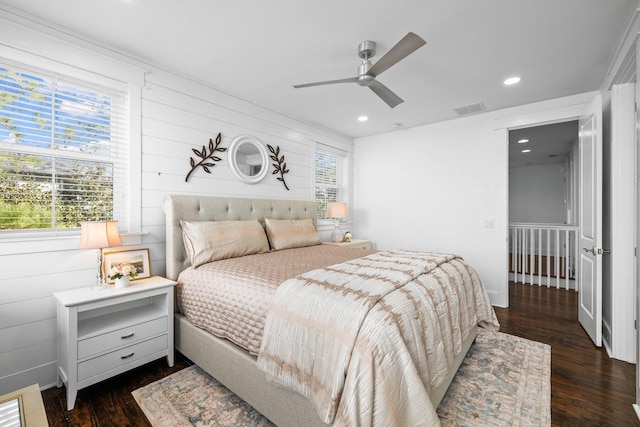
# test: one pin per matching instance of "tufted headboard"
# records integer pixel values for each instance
(210, 208)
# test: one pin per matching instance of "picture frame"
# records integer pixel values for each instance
(139, 258)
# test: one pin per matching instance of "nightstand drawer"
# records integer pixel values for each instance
(120, 357)
(124, 336)
(354, 244)
(366, 245)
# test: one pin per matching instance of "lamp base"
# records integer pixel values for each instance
(336, 236)
(100, 284)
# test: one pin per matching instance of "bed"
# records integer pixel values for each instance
(237, 367)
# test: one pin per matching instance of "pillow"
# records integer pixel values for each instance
(206, 241)
(291, 233)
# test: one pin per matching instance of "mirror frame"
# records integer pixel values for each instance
(233, 163)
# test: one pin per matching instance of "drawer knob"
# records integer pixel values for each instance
(127, 356)
(127, 336)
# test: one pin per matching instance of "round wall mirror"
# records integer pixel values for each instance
(248, 159)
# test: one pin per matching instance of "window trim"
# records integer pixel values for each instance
(346, 155)
(112, 76)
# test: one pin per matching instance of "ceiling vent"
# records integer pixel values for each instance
(470, 109)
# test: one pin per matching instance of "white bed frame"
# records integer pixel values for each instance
(228, 363)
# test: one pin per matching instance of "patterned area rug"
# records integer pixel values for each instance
(503, 381)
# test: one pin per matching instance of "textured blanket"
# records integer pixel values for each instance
(368, 339)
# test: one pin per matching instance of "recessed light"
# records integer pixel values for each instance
(522, 141)
(512, 80)
(396, 125)
(526, 151)
(363, 118)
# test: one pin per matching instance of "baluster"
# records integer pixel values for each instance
(556, 258)
(548, 257)
(524, 256)
(539, 256)
(531, 254)
(566, 259)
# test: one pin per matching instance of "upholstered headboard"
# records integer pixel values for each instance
(210, 208)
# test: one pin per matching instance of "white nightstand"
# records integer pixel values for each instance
(102, 333)
(354, 243)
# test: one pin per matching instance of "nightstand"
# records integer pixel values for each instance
(102, 333)
(354, 243)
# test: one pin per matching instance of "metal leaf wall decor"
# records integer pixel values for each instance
(206, 158)
(280, 166)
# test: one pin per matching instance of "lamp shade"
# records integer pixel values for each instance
(99, 234)
(337, 210)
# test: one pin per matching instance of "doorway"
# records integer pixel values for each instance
(543, 188)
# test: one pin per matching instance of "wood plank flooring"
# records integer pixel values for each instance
(587, 388)
(108, 403)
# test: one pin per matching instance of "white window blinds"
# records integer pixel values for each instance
(331, 172)
(63, 151)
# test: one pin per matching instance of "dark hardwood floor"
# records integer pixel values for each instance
(587, 387)
(108, 403)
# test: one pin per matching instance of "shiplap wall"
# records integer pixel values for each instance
(177, 115)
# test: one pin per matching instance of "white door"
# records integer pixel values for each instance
(590, 266)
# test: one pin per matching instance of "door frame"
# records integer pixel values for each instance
(553, 111)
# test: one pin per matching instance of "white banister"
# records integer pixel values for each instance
(544, 250)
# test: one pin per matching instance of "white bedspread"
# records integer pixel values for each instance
(368, 339)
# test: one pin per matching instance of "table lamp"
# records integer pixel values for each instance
(337, 210)
(99, 235)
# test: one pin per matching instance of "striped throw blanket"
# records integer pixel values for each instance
(366, 340)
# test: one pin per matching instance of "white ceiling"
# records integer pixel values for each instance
(258, 49)
(549, 144)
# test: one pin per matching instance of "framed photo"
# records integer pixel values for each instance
(139, 258)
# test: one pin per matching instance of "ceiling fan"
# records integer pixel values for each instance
(367, 73)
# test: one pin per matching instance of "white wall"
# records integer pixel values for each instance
(177, 115)
(537, 194)
(443, 187)
(433, 188)
(620, 222)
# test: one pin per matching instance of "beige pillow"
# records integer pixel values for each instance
(206, 241)
(291, 233)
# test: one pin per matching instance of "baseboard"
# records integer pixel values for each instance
(606, 337)
(637, 409)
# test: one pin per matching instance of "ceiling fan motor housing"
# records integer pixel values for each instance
(367, 49)
(365, 79)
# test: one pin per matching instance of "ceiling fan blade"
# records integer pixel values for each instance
(405, 47)
(386, 94)
(328, 82)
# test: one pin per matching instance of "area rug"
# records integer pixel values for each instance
(503, 381)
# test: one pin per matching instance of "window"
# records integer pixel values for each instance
(331, 177)
(63, 151)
